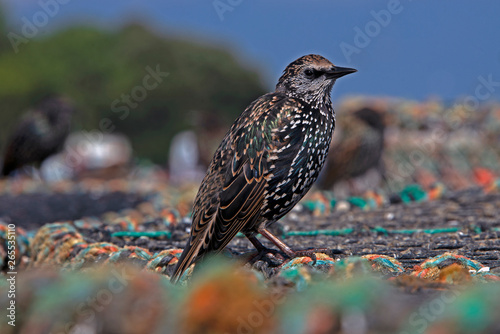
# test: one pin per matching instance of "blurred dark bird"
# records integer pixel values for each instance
(356, 148)
(266, 163)
(39, 134)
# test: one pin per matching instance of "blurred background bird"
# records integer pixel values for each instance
(40, 134)
(357, 147)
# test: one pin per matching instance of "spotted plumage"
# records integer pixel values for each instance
(267, 161)
(39, 134)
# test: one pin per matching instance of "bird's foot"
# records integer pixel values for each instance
(271, 256)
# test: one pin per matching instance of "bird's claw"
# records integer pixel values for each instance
(272, 255)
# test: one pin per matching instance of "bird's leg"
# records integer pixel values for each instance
(288, 251)
(262, 250)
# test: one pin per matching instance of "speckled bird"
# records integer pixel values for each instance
(40, 134)
(266, 162)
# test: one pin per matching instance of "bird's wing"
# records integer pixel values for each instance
(233, 192)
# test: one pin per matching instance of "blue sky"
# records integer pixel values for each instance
(416, 49)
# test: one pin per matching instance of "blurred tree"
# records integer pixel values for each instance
(131, 81)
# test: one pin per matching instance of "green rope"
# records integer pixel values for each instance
(319, 232)
(358, 201)
(310, 233)
(345, 231)
(413, 192)
(149, 234)
(375, 229)
(417, 230)
(380, 229)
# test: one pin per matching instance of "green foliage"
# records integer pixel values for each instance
(97, 69)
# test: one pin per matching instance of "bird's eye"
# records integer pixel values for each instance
(309, 72)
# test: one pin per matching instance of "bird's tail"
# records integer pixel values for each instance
(188, 257)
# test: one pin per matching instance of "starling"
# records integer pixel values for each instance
(266, 163)
(358, 148)
(40, 133)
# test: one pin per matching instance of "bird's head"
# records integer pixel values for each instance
(371, 117)
(55, 107)
(53, 103)
(310, 77)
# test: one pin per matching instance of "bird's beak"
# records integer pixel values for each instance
(337, 72)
